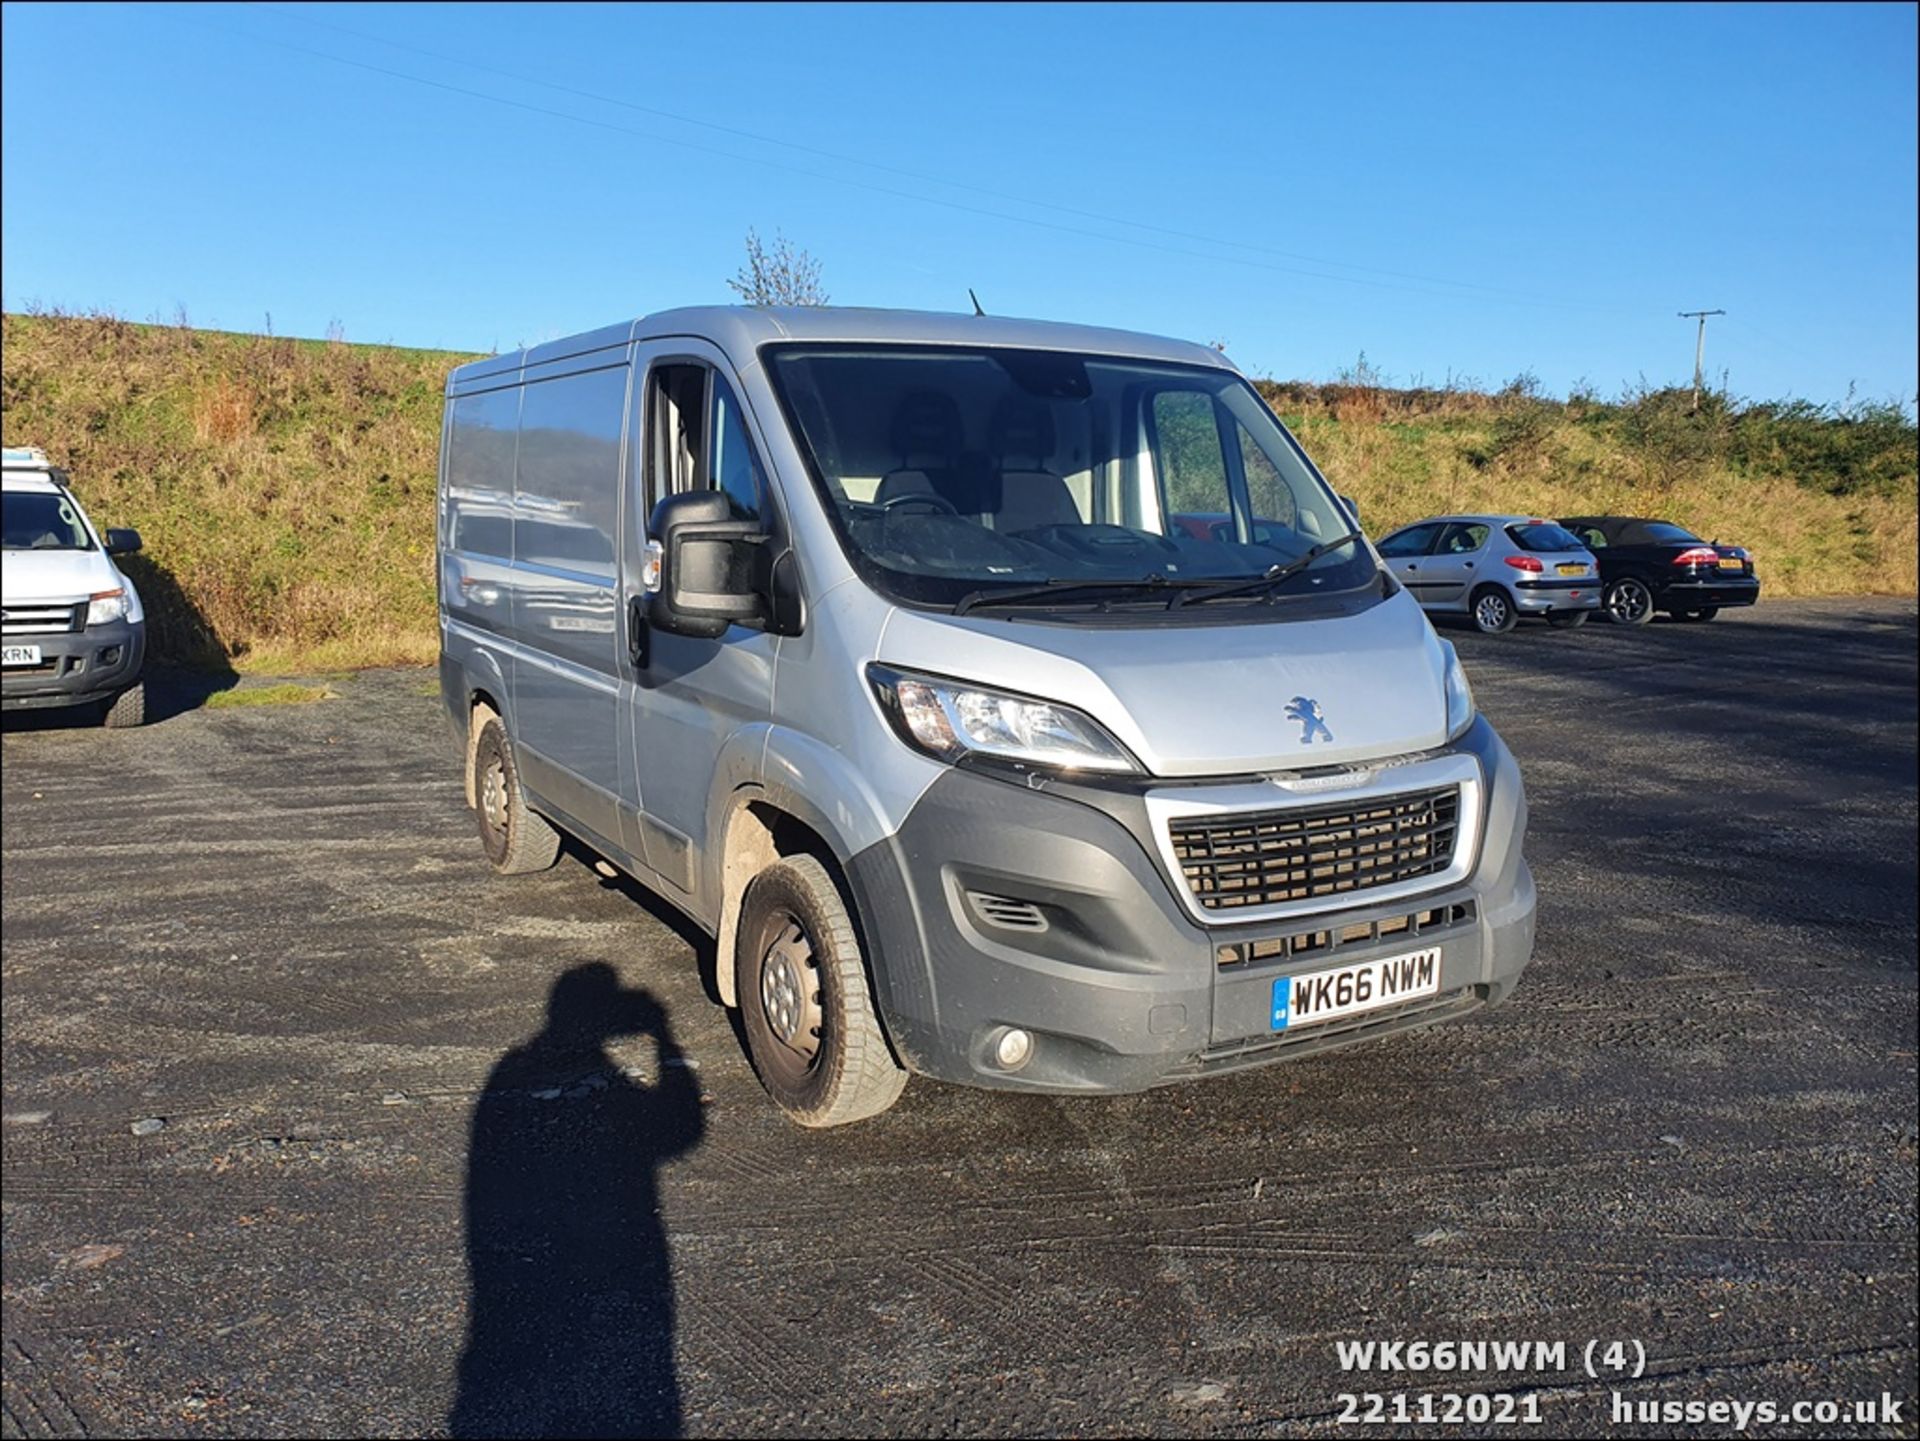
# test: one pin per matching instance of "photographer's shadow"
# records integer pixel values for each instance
(571, 1316)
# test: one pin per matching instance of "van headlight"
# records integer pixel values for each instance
(106, 606)
(950, 720)
(1460, 711)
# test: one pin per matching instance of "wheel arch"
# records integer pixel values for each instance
(762, 826)
(483, 705)
(803, 796)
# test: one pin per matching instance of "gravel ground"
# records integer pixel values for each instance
(257, 980)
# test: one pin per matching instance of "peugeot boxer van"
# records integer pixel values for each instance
(1014, 703)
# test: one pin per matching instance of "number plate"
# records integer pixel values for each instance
(1571, 568)
(1730, 562)
(20, 655)
(1348, 990)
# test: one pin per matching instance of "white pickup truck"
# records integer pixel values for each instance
(72, 631)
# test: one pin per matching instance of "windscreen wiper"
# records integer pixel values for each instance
(1063, 585)
(1268, 578)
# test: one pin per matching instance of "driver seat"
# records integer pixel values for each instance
(927, 435)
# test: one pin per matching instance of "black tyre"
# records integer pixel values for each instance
(1492, 611)
(1707, 612)
(516, 840)
(1627, 601)
(1568, 619)
(812, 1032)
(128, 709)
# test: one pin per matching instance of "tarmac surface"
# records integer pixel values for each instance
(271, 931)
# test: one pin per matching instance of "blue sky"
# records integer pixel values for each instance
(1479, 191)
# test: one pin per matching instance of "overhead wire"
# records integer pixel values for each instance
(570, 116)
(902, 172)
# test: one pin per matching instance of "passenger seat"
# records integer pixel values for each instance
(1031, 496)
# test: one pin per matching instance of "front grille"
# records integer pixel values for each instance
(43, 619)
(1434, 921)
(1244, 859)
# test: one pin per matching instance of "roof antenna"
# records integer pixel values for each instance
(976, 301)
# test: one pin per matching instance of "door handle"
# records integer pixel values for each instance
(1411, 566)
(1469, 565)
(638, 633)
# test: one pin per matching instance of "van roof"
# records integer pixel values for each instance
(741, 330)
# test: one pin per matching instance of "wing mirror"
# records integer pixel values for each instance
(703, 566)
(122, 542)
(1353, 508)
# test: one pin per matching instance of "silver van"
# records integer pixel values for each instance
(1014, 703)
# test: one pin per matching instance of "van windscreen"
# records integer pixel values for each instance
(952, 474)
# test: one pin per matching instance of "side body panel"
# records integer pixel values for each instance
(1457, 565)
(567, 680)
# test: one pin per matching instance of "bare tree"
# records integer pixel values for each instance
(777, 274)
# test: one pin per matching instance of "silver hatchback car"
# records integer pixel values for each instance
(1495, 569)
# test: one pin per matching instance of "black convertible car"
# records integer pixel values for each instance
(1649, 565)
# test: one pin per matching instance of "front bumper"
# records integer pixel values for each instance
(1543, 597)
(76, 667)
(1121, 988)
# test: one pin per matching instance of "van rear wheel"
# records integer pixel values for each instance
(812, 1031)
(516, 840)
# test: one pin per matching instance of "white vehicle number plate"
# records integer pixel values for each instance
(1349, 990)
(20, 655)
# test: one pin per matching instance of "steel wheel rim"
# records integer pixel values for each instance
(493, 795)
(1491, 612)
(1630, 601)
(790, 993)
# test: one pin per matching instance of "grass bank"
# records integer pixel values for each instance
(285, 488)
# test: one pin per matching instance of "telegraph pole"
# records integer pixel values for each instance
(1699, 349)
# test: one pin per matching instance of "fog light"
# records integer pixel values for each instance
(1012, 1049)
(110, 656)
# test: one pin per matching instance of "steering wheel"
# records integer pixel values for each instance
(920, 497)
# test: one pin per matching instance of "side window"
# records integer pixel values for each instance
(1414, 540)
(1270, 495)
(1463, 539)
(1192, 466)
(1591, 536)
(568, 491)
(480, 453)
(735, 468)
(676, 429)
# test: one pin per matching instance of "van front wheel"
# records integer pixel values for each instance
(516, 840)
(812, 1032)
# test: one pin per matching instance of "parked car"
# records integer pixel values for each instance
(72, 632)
(1650, 565)
(1495, 569)
(871, 640)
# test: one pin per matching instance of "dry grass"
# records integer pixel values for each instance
(285, 488)
(1439, 452)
